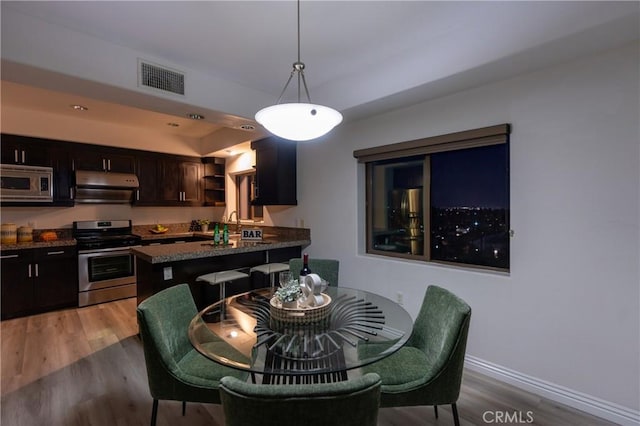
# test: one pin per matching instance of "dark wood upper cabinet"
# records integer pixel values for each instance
(165, 179)
(191, 173)
(103, 159)
(179, 180)
(275, 172)
(168, 180)
(29, 151)
(148, 193)
(15, 149)
(62, 174)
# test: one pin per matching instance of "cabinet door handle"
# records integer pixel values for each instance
(104, 165)
(24, 157)
(29, 270)
(36, 269)
(137, 195)
(9, 256)
(71, 192)
(15, 155)
(109, 165)
(53, 253)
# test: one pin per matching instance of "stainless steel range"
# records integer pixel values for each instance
(106, 267)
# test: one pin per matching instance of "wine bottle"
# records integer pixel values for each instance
(305, 267)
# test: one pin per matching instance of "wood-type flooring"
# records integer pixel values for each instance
(85, 366)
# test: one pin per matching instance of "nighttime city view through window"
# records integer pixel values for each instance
(470, 206)
(441, 199)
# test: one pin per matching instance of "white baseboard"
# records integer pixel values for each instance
(583, 402)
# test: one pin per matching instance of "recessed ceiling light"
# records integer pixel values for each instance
(195, 116)
(79, 107)
(173, 125)
(249, 127)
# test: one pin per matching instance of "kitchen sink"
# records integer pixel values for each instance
(250, 243)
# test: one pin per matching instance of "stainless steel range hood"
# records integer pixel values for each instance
(105, 188)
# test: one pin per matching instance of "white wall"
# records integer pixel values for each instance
(567, 314)
(55, 48)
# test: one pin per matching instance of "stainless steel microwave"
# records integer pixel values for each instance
(26, 183)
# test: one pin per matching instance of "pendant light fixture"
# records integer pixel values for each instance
(298, 121)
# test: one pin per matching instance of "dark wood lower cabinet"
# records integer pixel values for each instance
(17, 283)
(38, 280)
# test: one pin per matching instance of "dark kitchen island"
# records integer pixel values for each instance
(162, 266)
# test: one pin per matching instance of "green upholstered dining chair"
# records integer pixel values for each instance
(352, 402)
(428, 369)
(175, 370)
(325, 268)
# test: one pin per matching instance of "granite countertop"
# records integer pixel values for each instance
(274, 238)
(203, 249)
(64, 239)
(39, 244)
(149, 236)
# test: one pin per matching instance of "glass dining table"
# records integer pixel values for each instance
(252, 332)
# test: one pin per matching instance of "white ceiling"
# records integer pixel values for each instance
(362, 57)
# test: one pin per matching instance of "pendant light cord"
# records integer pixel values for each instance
(299, 62)
(298, 67)
(298, 30)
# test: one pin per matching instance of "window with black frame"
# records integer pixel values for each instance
(443, 199)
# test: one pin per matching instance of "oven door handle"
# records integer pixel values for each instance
(107, 250)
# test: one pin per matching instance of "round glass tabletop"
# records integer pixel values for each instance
(347, 329)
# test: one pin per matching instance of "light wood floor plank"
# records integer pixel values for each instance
(85, 366)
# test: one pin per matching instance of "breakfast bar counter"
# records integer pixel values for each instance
(165, 265)
(204, 249)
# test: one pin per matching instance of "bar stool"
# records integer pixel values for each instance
(222, 278)
(270, 269)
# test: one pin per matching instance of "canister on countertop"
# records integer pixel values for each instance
(25, 234)
(8, 233)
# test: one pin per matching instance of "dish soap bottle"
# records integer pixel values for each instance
(225, 235)
(216, 234)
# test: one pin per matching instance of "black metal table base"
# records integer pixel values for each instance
(326, 369)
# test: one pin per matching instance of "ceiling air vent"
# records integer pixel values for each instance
(161, 78)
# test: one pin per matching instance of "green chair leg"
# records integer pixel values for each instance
(184, 407)
(154, 412)
(454, 409)
(435, 410)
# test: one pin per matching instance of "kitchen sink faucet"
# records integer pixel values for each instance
(237, 219)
